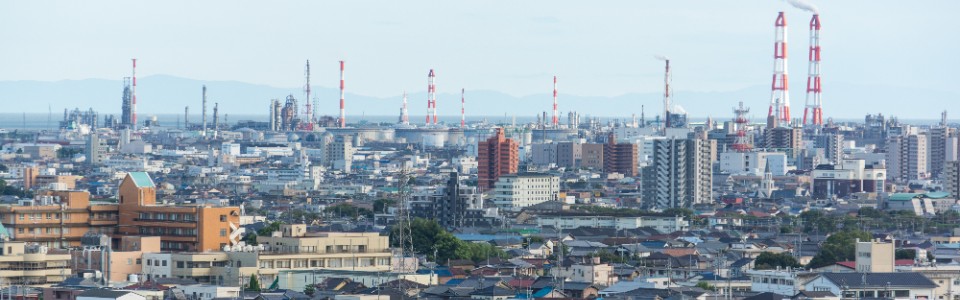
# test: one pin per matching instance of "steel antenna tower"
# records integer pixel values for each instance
(306, 89)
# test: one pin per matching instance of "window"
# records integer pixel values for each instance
(223, 232)
(179, 265)
(129, 261)
(164, 263)
(139, 261)
(223, 218)
(149, 262)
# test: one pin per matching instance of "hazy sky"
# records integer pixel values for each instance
(601, 48)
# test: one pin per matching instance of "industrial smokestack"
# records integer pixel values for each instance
(133, 93)
(555, 122)
(463, 110)
(343, 113)
(216, 121)
(780, 96)
(814, 101)
(186, 115)
(203, 111)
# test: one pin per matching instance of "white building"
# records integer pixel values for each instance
(516, 191)
(783, 282)
(898, 285)
(105, 294)
(753, 163)
(208, 291)
(662, 223)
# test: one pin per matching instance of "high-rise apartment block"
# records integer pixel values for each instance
(907, 157)
(786, 139)
(620, 157)
(941, 139)
(681, 174)
(497, 156)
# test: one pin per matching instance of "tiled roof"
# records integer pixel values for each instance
(877, 280)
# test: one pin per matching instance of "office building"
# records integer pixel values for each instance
(848, 177)
(293, 248)
(497, 156)
(592, 156)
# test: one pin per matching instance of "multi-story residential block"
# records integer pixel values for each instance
(24, 263)
(681, 174)
(516, 191)
(293, 248)
(951, 178)
(497, 156)
(785, 139)
(568, 220)
(939, 139)
(619, 157)
(198, 227)
(226, 268)
(832, 145)
(907, 157)
(58, 218)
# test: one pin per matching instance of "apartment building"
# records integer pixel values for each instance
(199, 227)
(681, 174)
(31, 264)
(293, 248)
(516, 191)
(619, 157)
(497, 156)
(226, 268)
(58, 219)
(907, 157)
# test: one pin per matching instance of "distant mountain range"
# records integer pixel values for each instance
(162, 94)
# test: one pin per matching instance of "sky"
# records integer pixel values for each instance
(597, 48)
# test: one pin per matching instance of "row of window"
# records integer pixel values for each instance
(168, 231)
(39, 216)
(168, 216)
(51, 230)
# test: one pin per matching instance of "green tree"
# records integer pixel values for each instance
(251, 238)
(3, 168)
(840, 246)
(905, 254)
(309, 290)
(254, 285)
(437, 244)
(706, 286)
(347, 210)
(381, 205)
(678, 211)
(770, 260)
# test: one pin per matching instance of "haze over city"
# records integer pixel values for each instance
(882, 50)
(479, 150)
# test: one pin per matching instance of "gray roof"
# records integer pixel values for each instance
(103, 293)
(878, 280)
